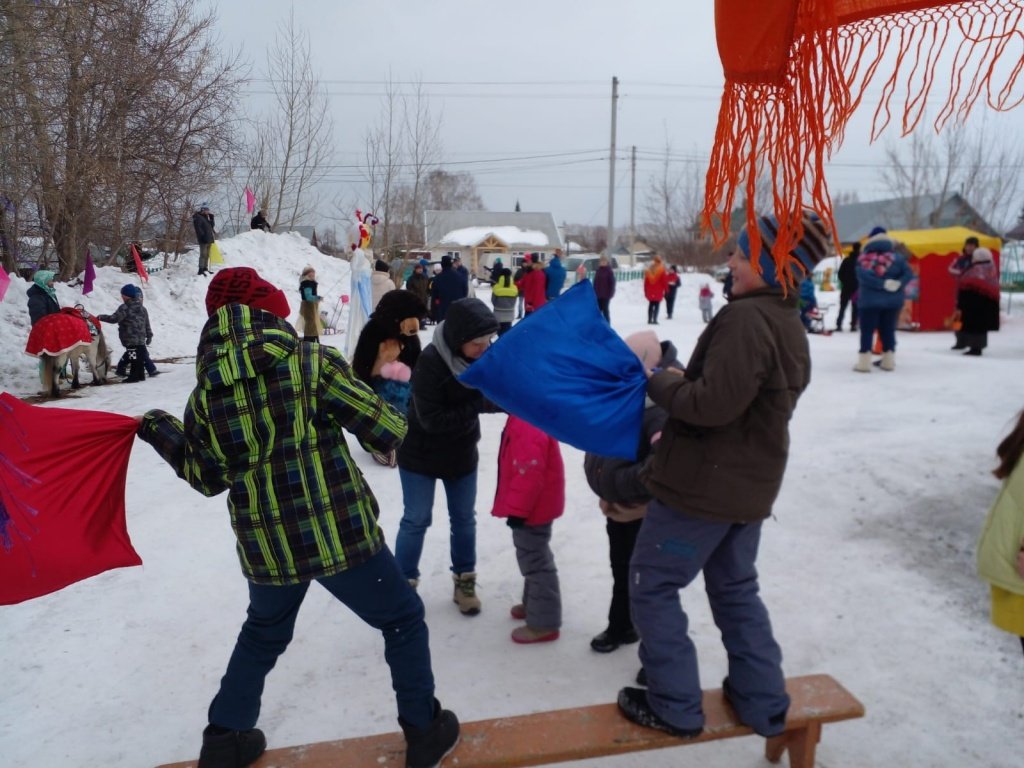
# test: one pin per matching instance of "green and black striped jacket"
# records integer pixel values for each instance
(265, 423)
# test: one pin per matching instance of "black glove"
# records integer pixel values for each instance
(515, 522)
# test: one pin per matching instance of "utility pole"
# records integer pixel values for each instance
(611, 170)
(632, 200)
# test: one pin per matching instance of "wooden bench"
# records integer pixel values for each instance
(580, 733)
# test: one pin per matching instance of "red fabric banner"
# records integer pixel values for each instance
(62, 511)
(143, 274)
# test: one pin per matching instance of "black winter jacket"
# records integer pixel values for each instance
(444, 415)
(40, 303)
(204, 226)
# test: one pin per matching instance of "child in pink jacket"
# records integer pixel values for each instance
(531, 494)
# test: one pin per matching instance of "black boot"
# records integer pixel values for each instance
(634, 705)
(231, 749)
(610, 640)
(427, 747)
(973, 352)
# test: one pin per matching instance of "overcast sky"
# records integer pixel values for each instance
(523, 91)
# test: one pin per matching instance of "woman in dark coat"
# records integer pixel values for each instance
(42, 299)
(978, 301)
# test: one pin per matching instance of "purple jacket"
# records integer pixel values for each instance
(604, 282)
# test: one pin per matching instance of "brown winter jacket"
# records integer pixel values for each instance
(723, 450)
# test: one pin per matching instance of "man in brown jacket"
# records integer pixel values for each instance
(716, 472)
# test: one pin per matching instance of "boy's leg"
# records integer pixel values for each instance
(267, 630)
(542, 596)
(147, 361)
(757, 686)
(418, 501)
(379, 594)
(621, 542)
(670, 551)
(136, 369)
(122, 365)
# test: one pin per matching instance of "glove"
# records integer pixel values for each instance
(149, 341)
(515, 522)
(892, 285)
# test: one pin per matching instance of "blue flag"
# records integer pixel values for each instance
(564, 370)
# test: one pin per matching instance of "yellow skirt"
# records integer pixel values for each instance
(1008, 611)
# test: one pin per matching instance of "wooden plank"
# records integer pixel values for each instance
(579, 733)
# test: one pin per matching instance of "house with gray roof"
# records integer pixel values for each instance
(855, 220)
(478, 237)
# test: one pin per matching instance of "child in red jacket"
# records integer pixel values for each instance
(531, 494)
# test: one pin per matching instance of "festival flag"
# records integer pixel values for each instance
(90, 274)
(250, 200)
(143, 274)
(5, 283)
(61, 521)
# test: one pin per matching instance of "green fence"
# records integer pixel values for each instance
(1011, 281)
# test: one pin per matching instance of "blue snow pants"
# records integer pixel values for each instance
(671, 550)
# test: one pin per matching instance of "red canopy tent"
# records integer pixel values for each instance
(931, 297)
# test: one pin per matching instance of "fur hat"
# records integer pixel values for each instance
(981, 255)
(307, 270)
(813, 246)
(243, 285)
(446, 261)
(645, 345)
(381, 266)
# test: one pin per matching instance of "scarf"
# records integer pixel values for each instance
(795, 70)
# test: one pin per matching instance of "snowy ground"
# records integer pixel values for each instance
(867, 569)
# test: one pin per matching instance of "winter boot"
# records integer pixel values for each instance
(465, 593)
(888, 361)
(427, 747)
(230, 749)
(863, 363)
(527, 635)
(610, 640)
(973, 352)
(634, 705)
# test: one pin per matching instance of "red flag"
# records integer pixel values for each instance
(143, 274)
(5, 282)
(250, 200)
(61, 520)
(90, 274)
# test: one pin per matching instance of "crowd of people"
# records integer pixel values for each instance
(708, 467)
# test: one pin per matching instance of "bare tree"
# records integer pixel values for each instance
(117, 131)
(671, 208)
(452, 191)
(383, 144)
(983, 169)
(423, 153)
(302, 126)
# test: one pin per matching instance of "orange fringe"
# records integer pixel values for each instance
(788, 127)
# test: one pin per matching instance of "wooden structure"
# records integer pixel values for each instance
(584, 733)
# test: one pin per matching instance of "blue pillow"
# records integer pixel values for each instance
(565, 371)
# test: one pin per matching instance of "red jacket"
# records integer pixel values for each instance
(532, 286)
(531, 476)
(655, 283)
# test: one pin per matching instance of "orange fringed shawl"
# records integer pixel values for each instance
(796, 69)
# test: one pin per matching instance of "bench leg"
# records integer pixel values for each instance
(800, 743)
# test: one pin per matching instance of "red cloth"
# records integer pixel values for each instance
(243, 285)
(57, 333)
(62, 479)
(141, 270)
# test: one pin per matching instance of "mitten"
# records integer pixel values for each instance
(892, 285)
(515, 522)
(396, 371)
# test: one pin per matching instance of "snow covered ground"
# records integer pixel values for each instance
(867, 568)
